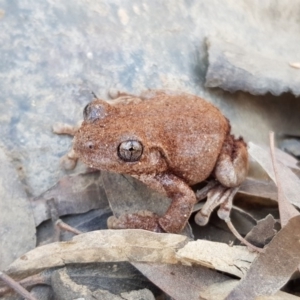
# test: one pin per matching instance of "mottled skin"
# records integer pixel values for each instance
(183, 140)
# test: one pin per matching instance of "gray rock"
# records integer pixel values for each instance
(241, 65)
(53, 54)
(17, 228)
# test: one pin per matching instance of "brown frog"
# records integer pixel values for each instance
(169, 141)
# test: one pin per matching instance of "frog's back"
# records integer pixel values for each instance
(189, 131)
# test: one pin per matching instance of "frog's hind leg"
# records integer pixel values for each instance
(232, 166)
(230, 171)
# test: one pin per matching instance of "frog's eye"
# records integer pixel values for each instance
(130, 150)
(93, 111)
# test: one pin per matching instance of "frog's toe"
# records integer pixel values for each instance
(62, 128)
(69, 160)
(217, 196)
(115, 223)
(201, 219)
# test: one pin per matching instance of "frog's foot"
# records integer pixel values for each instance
(124, 98)
(115, 94)
(69, 160)
(141, 220)
(216, 196)
(62, 128)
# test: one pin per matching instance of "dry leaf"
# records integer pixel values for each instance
(263, 232)
(290, 181)
(259, 188)
(234, 260)
(72, 195)
(272, 269)
(101, 246)
(283, 157)
(95, 219)
(238, 64)
(219, 291)
(181, 282)
(286, 209)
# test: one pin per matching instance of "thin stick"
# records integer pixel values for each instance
(16, 286)
(61, 224)
(272, 149)
(240, 238)
(41, 278)
(286, 209)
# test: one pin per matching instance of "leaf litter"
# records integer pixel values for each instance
(160, 256)
(272, 269)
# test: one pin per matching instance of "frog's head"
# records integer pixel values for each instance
(112, 138)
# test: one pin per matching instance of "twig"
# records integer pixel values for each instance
(61, 224)
(240, 238)
(40, 278)
(286, 209)
(16, 286)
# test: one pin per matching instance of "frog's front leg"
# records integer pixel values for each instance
(183, 201)
(63, 128)
(69, 160)
(177, 215)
